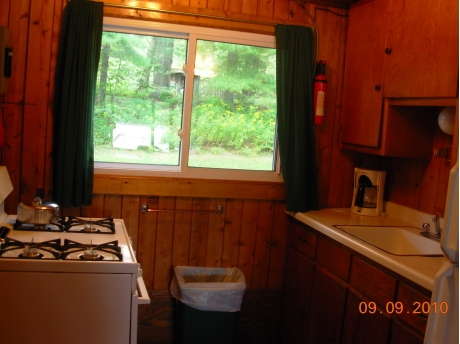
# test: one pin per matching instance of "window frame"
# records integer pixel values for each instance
(192, 34)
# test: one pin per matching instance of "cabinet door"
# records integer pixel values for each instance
(402, 335)
(364, 325)
(363, 80)
(423, 38)
(299, 277)
(376, 285)
(415, 313)
(326, 309)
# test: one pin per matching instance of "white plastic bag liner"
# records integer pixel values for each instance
(209, 289)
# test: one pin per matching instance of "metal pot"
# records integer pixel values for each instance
(25, 213)
(53, 205)
(44, 214)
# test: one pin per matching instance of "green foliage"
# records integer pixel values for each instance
(234, 108)
(103, 126)
(245, 130)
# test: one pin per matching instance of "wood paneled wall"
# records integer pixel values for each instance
(250, 234)
(242, 235)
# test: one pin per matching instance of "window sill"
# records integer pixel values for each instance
(187, 187)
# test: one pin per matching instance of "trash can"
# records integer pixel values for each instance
(207, 304)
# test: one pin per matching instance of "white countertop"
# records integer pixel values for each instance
(420, 270)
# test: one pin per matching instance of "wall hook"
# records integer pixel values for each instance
(444, 153)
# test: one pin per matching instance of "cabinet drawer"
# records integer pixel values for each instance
(372, 282)
(303, 239)
(333, 258)
(414, 307)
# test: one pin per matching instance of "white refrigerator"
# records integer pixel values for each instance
(442, 327)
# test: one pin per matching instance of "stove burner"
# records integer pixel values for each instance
(79, 225)
(89, 228)
(56, 226)
(91, 252)
(31, 250)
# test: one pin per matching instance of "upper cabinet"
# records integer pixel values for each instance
(398, 50)
(421, 49)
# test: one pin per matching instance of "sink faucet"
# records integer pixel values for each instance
(437, 227)
(426, 229)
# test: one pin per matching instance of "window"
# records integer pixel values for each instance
(185, 101)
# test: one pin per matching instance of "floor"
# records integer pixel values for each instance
(258, 320)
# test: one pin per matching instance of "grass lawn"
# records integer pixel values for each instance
(222, 160)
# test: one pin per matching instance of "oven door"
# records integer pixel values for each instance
(140, 297)
(71, 308)
(142, 294)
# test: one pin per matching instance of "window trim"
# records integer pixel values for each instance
(192, 33)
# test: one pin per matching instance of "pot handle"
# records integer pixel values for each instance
(3, 232)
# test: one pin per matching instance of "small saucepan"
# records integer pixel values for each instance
(44, 215)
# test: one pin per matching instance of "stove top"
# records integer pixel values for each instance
(77, 244)
(70, 224)
(55, 249)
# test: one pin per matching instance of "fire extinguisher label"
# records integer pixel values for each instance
(320, 103)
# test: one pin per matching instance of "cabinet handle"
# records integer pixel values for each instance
(302, 240)
(387, 51)
(377, 87)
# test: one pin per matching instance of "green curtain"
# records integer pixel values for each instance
(294, 88)
(73, 103)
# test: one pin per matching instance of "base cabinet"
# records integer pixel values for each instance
(326, 312)
(362, 324)
(402, 335)
(334, 295)
(297, 292)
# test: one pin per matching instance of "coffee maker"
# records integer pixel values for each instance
(369, 186)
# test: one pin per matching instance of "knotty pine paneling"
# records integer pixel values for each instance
(250, 234)
(35, 25)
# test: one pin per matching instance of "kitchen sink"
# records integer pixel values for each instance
(401, 241)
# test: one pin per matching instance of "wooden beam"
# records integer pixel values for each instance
(160, 186)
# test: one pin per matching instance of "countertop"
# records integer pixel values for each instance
(420, 270)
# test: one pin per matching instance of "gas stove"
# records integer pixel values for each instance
(84, 266)
(87, 265)
(73, 244)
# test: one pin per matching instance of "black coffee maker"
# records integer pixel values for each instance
(368, 192)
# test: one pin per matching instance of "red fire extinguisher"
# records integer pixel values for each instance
(319, 92)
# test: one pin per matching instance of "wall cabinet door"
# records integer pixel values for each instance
(363, 80)
(422, 43)
(298, 284)
(326, 309)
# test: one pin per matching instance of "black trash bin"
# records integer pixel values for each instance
(208, 301)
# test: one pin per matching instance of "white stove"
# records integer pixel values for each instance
(67, 251)
(61, 284)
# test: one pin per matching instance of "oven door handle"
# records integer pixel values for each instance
(142, 294)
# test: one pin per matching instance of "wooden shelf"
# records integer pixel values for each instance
(422, 101)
